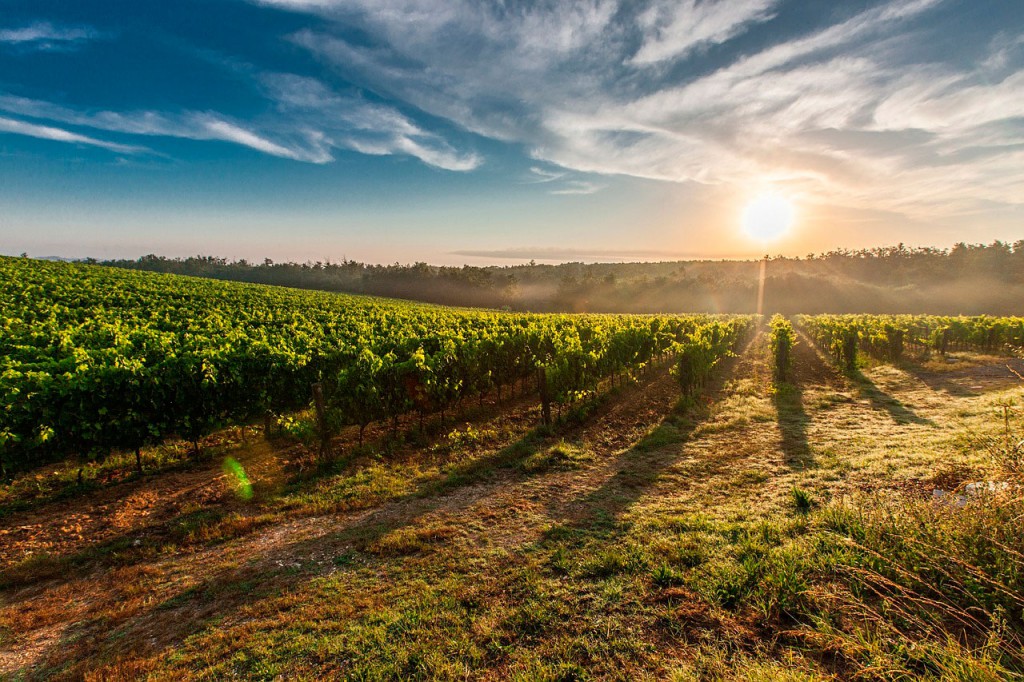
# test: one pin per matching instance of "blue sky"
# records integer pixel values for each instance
(459, 131)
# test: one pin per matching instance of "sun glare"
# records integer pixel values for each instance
(768, 217)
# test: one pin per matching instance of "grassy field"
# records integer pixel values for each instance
(762, 531)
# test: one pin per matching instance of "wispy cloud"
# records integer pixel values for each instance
(543, 175)
(560, 182)
(214, 128)
(848, 109)
(578, 187)
(352, 122)
(309, 121)
(673, 29)
(187, 125)
(10, 125)
(45, 36)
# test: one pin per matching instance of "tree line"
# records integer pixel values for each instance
(965, 279)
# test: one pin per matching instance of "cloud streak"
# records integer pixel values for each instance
(675, 29)
(9, 125)
(43, 35)
(188, 125)
(353, 123)
(308, 124)
(578, 187)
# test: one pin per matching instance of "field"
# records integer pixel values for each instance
(637, 498)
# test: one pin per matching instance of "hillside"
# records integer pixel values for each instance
(207, 479)
(966, 279)
(97, 360)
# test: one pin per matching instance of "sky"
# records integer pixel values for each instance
(476, 131)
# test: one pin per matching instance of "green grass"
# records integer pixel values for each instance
(803, 501)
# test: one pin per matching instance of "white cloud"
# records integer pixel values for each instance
(578, 187)
(849, 109)
(352, 122)
(561, 182)
(187, 125)
(543, 175)
(310, 122)
(952, 102)
(218, 129)
(674, 28)
(10, 125)
(44, 36)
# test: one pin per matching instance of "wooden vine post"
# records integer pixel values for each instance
(321, 422)
(545, 397)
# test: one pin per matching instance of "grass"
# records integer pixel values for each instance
(561, 455)
(60, 481)
(803, 501)
(646, 540)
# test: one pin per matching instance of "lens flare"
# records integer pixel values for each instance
(236, 473)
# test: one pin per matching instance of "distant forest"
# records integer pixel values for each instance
(968, 278)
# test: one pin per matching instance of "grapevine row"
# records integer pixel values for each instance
(96, 360)
(886, 337)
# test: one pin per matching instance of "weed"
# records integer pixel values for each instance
(803, 501)
(561, 455)
(666, 576)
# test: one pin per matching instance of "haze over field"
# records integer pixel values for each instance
(495, 133)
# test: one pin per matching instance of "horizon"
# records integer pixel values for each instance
(518, 257)
(460, 133)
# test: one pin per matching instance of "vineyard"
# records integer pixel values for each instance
(887, 337)
(447, 493)
(97, 360)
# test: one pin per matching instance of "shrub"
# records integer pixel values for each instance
(783, 340)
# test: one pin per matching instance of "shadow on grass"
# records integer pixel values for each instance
(793, 421)
(938, 381)
(226, 588)
(118, 473)
(882, 401)
(399, 525)
(641, 466)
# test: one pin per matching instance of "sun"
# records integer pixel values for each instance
(768, 217)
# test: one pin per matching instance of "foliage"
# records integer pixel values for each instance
(802, 500)
(945, 577)
(887, 336)
(967, 278)
(95, 360)
(707, 345)
(783, 339)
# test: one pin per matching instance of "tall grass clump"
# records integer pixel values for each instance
(803, 502)
(783, 340)
(925, 590)
(1005, 447)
